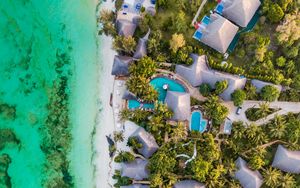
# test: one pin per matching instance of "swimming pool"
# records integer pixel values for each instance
(197, 123)
(158, 84)
(133, 104)
(173, 85)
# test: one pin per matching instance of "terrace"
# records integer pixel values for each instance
(216, 32)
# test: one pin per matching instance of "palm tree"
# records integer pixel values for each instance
(179, 132)
(118, 136)
(278, 128)
(264, 110)
(251, 91)
(272, 177)
(252, 131)
(238, 131)
(287, 180)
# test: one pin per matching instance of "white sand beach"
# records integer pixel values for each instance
(105, 120)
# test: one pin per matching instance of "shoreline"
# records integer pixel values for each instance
(105, 118)
(83, 107)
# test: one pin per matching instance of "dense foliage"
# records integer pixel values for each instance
(269, 93)
(124, 156)
(215, 110)
(254, 114)
(238, 97)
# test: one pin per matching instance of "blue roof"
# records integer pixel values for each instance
(197, 35)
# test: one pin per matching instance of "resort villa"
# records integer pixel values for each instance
(147, 140)
(136, 170)
(129, 15)
(287, 161)
(238, 11)
(141, 49)
(199, 73)
(247, 177)
(180, 104)
(121, 65)
(216, 32)
(189, 184)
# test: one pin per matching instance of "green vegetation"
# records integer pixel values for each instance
(125, 45)
(139, 81)
(254, 114)
(215, 110)
(134, 143)
(155, 122)
(124, 156)
(269, 93)
(268, 53)
(4, 177)
(107, 18)
(291, 95)
(257, 144)
(238, 97)
(121, 181)
(118, 136)
(214, 163)
(221, 86)
(145, 67)
(7, 136)
(205, 90)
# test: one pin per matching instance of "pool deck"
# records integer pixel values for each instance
(194, 92)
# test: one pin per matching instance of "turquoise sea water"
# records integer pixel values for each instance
(32, 33)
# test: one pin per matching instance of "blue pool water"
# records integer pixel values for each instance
(158, 83)
(197, 123)
(133, 104)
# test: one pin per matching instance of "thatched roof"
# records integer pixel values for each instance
(129, 95)
(247, 177)
(189, 184)
(260, 84)
(136, 170)
(149, 144)
(287, 161)
(121, 65)
(199, 73)
(141, 49)
(126, 28)
(240, 11)
(180, 104)
(219, 33)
